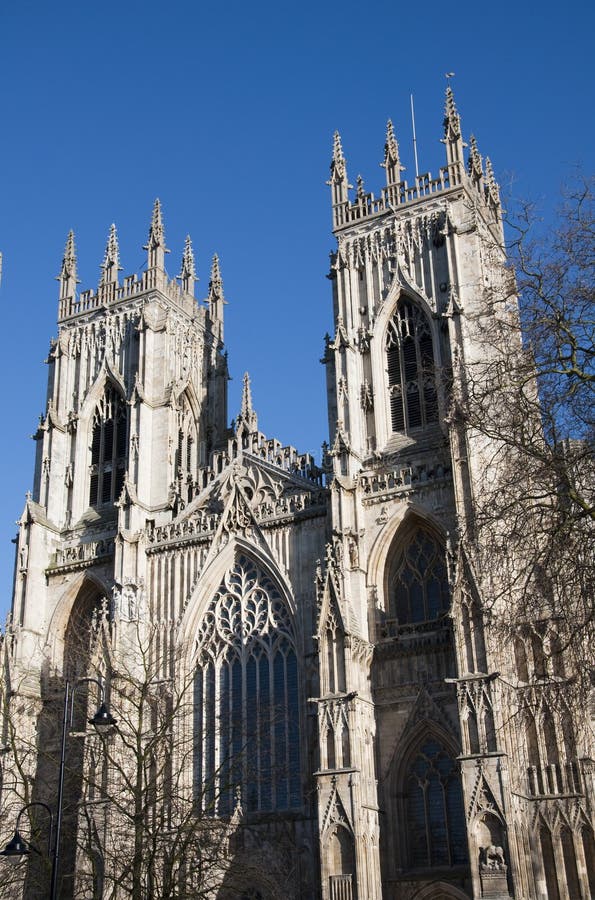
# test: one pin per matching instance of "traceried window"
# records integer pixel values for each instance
(246, 712)
(418, 581)
(435, 814)
(108, 449)
(411, 371)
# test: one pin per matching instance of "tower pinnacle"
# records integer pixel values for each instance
(67, 277)
(188, 271)
(392, 162)
(156, 241)
(247, 416)
(492, 189)
(111, 260)
(338, 181)
(215, 297)
(453, 139)
(474, 163)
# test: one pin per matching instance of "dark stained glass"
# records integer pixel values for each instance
(250, 740)
(435, 814)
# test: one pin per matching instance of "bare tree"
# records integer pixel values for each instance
(528, 406)
(137, 821)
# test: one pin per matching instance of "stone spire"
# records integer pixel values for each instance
(187, 270)
(392, 162)
(67, 277)
(215, 297)
(491, 185)
(338, 181)
(111, 260)
(156, 241)
(474, 163)
(453, 139)
(247, 417)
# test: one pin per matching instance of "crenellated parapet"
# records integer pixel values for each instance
(111, 293)
(399, 193)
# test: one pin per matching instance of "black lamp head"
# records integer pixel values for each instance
(16, 848)
(103, 720)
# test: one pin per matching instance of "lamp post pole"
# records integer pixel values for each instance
(102, 721)
(56, 859)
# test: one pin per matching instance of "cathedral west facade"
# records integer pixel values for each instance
(313, 637)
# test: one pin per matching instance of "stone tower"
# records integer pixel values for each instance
(311, 702)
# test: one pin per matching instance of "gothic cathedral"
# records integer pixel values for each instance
(309, 701)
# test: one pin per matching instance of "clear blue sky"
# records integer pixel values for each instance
(226, 112)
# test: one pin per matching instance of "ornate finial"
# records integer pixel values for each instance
(215, 282)
(187, 270)
(156, 240)
(361, 194)
(67, 276)
(247, 416)
(215, 297)
(453, 140)
(111, 260)
(338, 181)
(492, 189)
(338, 161)
(474, 163)
(452, 120)
(392, 162)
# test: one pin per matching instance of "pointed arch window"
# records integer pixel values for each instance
(186, 462)
(434, 808)
(418, 582)
(334, 664)
(411, 370)
(108, 449)
(246, 711)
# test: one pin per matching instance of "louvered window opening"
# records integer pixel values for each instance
(246, 710)
(435, 813)
(411, 370)
(108, 449)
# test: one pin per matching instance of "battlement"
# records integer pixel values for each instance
(367, 205)
(457, 173)
(179, 291)
(133, 286)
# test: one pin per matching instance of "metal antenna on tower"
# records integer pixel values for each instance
(414, 137)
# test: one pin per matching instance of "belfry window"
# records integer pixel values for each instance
(411, 371)
(246, 709)
(108, 449)
(418, 582)
(435, 813)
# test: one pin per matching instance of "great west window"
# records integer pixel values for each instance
(246, 707)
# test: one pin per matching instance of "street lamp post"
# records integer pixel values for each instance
(102, 721)
(17, 847)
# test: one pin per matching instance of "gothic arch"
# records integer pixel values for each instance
(339, 851)
(209, 581)
(425, 766)
(84, 583)
(398, 293)
(247, 694)
(440, 890)
(395, 532)
(186, 388)
(406, 747)
(107, 378)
